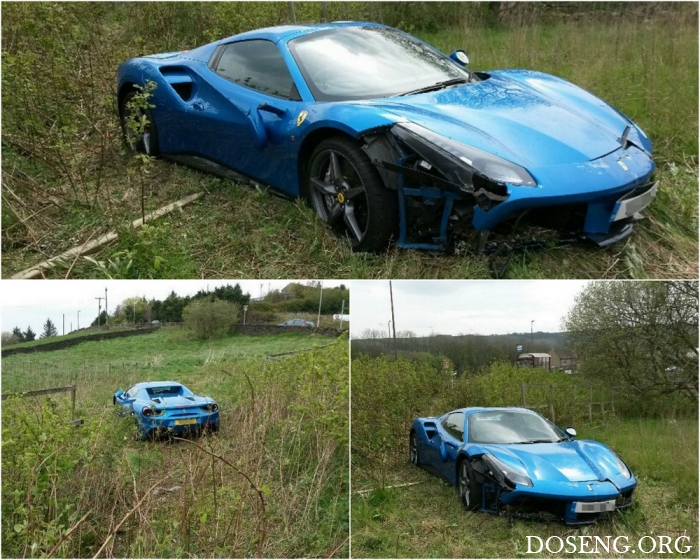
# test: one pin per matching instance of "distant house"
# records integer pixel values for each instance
(535, 359)
(556, 359)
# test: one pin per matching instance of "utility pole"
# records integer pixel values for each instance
(393, 322)
(245, 310)
(342, 312)
(99, 309)
(320, 301)
(134, 312)
(531, 339)
(106, 310)
(78, 319)
(64, 324)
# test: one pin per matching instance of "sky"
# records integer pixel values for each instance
(30, 302)
(463, 306)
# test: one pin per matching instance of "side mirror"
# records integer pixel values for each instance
(571, 432)
(460, 57)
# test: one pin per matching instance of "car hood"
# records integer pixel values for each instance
(529, 118)
(570, 461)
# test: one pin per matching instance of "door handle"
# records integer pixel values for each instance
(198, 105)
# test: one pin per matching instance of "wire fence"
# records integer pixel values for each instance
(570, 402)
(35, 375)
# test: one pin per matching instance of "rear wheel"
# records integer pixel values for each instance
(138, 126)
(347, 193)
(469, 490)
(414, 454)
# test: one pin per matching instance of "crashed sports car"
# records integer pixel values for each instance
(515, 459)
(164, 408)
(388, 138)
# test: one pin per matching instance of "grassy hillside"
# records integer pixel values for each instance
(405, 512)
(168, 353)
(68, 178)
(273, 482)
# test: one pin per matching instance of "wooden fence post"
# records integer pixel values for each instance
(551, 403)
(72, 404)
(590, 403)
(522, 393)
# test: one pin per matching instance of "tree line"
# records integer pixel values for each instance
(17, 335)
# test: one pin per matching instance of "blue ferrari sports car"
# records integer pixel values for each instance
(515, 458)
(166, 407)
(388, 138)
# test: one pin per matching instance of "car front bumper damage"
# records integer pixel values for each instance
(598, 201)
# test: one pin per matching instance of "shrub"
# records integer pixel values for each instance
(211, 319)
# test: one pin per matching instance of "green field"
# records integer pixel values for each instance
(401, 511)
(273, 482)
(68, 183)
(164, 354)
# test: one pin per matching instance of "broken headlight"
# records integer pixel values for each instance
(509, 473)
(476, 161)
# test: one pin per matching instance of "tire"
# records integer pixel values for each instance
(148, 142)
(413, 452)
(469, 490)
(347, 193)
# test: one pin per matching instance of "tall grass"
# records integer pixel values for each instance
(272, 483)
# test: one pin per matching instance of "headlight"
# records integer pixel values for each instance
(624, 471)
(516, 477)
(492, 167)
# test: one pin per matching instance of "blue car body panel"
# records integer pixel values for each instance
(562, 473)
(174, 412)
(579, 149)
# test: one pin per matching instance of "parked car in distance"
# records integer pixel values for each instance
(388, 138)
(297, 323)
(163, 408)
(515, 458)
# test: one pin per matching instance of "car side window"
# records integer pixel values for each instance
(257, 64)
(454, 425)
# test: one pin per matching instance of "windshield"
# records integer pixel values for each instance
(369, 62)
(512, 426)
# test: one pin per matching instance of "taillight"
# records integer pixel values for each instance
(213, 407)
(148, 411)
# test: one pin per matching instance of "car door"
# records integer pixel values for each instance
(452, 433)
(126, 399)
(245, 110)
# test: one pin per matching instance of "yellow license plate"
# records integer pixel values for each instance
(185, 421)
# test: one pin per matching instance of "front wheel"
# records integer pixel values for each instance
(469, 490)
(347, 193)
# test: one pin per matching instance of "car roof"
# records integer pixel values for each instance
(287, 32)
(147, 384)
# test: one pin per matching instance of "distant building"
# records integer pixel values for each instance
(535, 359)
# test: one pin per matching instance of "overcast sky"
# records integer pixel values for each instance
(463, 306)
(31, 302)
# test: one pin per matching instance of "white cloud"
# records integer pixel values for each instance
(463, 306)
